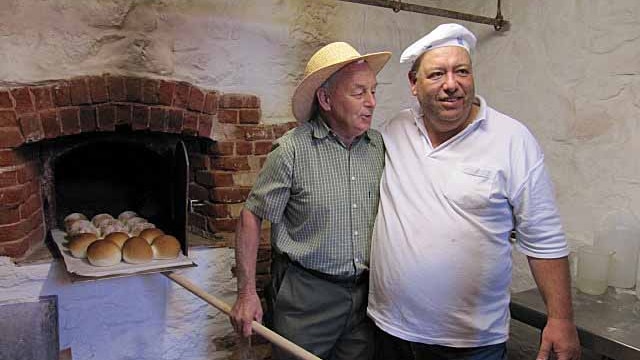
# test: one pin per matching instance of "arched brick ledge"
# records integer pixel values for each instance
(221, 174)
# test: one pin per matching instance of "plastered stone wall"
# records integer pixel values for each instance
(567, 69)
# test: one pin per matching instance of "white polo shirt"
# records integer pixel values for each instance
(441, 256)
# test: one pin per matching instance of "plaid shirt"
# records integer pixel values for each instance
(321, 197)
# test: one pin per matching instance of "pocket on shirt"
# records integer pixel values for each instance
(469, 187)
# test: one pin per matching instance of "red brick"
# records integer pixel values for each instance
(233, 163)
(244, 148)
(222, 225)
(134, 89)
(43, 97)
(196, 99)
(198, 192)
(30, 206)
(5, 100)
(252, 133)
(227, 116)
(98, 89)
(88, 118)
(123, 113)
(24, 103)
(140, 117)
(239, 101)
(9, 215)
(8, 118)
(69, 120)
(181, 98)
(262, 160)
(205, 123)
(106, 118)
(158, 119)
(10, 157)
(14, 195)
(117, 90)
(150, 91)
(50, 123)
(31, 127)
(28, 171)
(263, 147)
(10, 137)
(229, 195)
(211, 103)
(165, 92)
(222, 148)
(250, 116)
(215, 210)
(8, 178)
(209, 179)
(281, 129)
(190, 124)
(175, 121)
(79, 92)
(199, 161)
(15, 248)
(62, 94)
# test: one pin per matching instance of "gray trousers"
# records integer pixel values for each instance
(325, 318)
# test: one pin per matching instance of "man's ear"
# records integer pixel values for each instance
(412, 82)
(323, 99)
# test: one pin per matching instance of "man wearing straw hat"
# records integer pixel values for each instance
(459, 176)
(319, 189)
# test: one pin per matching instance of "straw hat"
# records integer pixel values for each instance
(324, 63)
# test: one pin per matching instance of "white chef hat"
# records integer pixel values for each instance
(443, 35)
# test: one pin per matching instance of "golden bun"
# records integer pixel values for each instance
(79, 243)
(150, 234)
(104, 253)
(118, 238)
(165, 247)
(137, 251)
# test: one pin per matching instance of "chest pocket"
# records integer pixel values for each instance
(469, 187)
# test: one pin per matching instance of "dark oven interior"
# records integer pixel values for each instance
(112, 173)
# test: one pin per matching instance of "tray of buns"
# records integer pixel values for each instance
(110, 247)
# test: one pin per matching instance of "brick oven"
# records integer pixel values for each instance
(58, 135)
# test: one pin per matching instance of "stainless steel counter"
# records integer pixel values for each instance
(608, 324)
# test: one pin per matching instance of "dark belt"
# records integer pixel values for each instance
(345, 280)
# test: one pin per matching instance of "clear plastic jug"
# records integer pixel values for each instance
(619, 232)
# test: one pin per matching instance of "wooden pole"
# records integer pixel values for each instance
(260, 329)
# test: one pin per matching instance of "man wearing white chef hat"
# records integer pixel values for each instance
(459, 177)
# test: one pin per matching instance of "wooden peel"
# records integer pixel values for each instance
(262, 330)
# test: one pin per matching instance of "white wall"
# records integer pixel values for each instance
(567, 69)
(144, 317)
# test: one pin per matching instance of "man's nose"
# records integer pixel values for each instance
(450, 83)
(370, 99)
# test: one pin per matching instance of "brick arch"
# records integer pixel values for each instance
(221, 174)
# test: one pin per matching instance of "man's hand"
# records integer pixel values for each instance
(246, 309)
(560, 338)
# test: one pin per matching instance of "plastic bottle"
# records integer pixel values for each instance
(619, 231)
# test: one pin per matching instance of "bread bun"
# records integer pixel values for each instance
(71, 218)
(126, 215)
(108, 226)
(136, 229)
(165, 247)
(78, 244)
(96, 220)
(150, 234)
(118, 238)
(103, 253)
(137, 251)
(81, 227)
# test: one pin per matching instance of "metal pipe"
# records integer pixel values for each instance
(498, 23)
